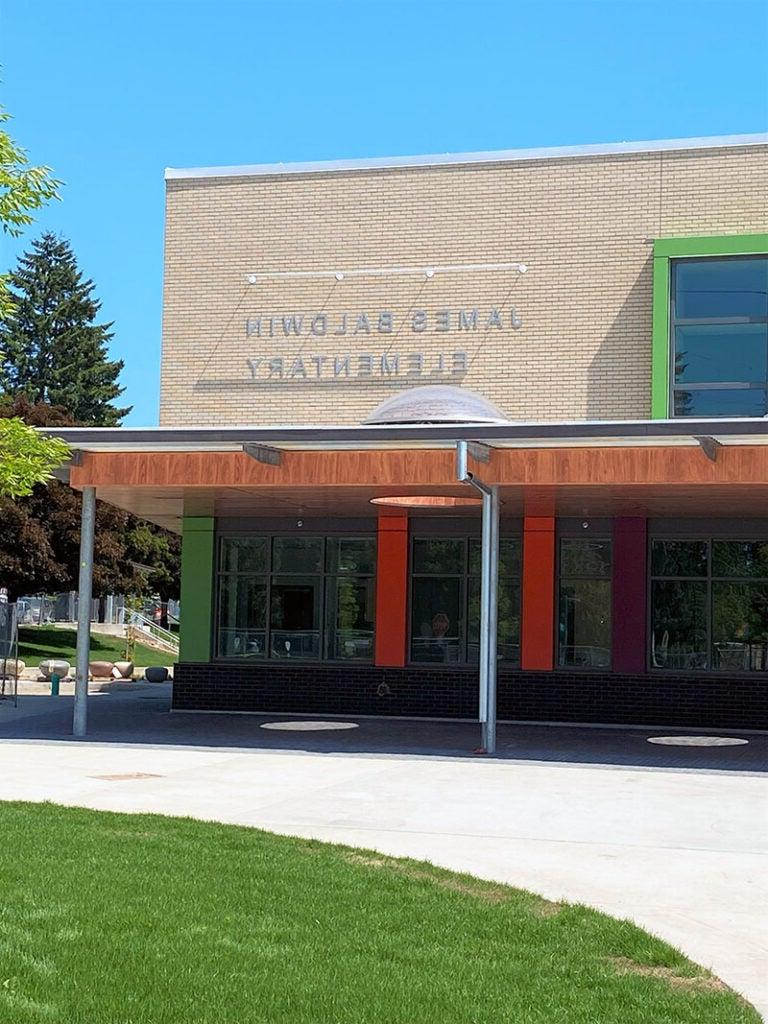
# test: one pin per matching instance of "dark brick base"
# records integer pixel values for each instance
(714, 702)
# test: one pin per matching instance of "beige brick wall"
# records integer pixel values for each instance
(582, 225)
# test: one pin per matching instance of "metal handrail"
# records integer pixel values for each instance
(159, 633)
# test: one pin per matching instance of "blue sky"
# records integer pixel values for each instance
(111, 92)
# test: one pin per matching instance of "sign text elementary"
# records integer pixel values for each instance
(364, 362)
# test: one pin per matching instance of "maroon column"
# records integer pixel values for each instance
(630, 589)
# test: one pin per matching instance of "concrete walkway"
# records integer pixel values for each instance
(679, 851)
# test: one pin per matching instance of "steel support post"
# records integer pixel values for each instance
(489, 627)
(485, 593)
(85, 590)
(489, 588)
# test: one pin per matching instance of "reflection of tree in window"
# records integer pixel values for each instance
(719, 334)
(296, 597)
(709, 605)
(445, 599)
(584, 617)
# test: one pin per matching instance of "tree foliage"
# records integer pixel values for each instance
(23, 190)
(27, 458)
(40, 535)
(51, 349)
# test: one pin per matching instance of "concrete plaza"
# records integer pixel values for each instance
(672, 837)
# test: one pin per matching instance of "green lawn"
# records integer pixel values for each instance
(39, 642)
(140, 919)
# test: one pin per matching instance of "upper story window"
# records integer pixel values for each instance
(719, 326)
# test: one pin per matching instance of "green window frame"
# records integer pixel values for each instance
(665, 251)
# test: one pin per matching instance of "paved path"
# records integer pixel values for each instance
(681, 852)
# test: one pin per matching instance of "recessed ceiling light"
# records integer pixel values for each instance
(307, 726)
(426, 501)
(697, 741)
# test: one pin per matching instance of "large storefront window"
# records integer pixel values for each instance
(709, 605)
(307, 598)
(584, 603)
(445, 600)
(719, 323)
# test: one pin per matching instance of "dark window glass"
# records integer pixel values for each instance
(679, 558)
(438, 555)
(739, 626)
(509, 557)
(584, 557)
(712, 353)
(740, 558)
(351, 555)
(244, 554)
(349, 617)
(712, 402)
(716, 288)
(585, 623)
(508, 640)
(679, 624)
(720, 337)
(719, 622)
(297, 554)
(437, 619)
(301, 611)
(445, 599)
(295, 617)
(242, 624)
(584, 603)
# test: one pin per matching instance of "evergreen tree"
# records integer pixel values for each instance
(51, 350)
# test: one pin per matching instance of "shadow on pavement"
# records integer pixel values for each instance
(140, 713)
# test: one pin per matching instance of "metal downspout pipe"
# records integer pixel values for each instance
(488, 598)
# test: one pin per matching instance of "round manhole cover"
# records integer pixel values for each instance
(697, 741)
(308, 726)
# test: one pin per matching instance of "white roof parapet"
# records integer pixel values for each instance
(483, 157)
(585, 433)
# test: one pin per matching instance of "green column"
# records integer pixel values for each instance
(197, 550)
(660, 349)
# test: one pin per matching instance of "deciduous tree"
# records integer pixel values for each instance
(23, 190)
(27, 458)
(40, 535)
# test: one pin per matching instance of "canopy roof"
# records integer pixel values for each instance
(670, 468)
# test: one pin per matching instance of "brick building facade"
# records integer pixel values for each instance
(595, 321)
(583, 224)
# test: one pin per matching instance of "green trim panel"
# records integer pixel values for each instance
(664, 250)
(660, 357)
(197, 549)
(711, 245)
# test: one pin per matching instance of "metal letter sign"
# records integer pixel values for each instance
(380, 364)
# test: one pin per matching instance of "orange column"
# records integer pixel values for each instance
(392, 591)
(538, 594)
